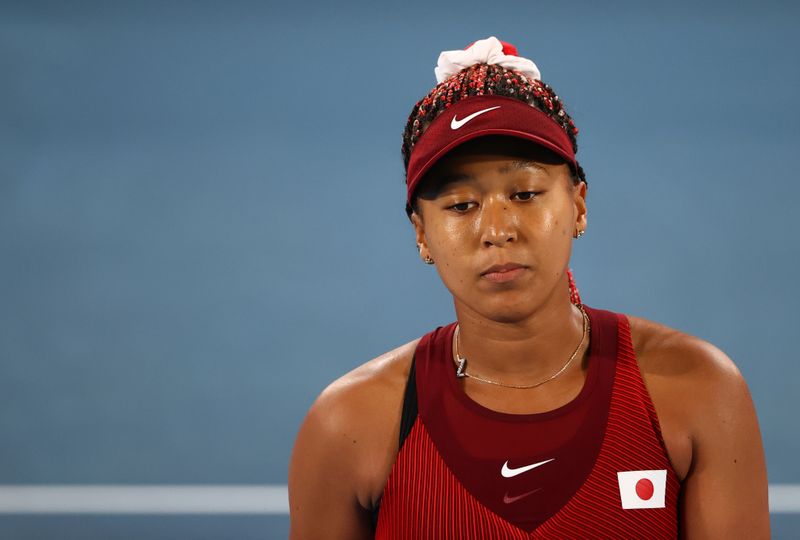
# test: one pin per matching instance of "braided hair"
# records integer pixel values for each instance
(489, 79)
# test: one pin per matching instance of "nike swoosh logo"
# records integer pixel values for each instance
(455, 123)
(508, 472)
(509, 500)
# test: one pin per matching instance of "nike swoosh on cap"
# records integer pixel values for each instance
(455, 123)
(509, 500)
(508, 472)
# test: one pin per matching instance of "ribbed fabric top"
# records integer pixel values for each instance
(466, 471)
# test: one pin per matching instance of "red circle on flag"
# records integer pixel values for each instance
(644, 489)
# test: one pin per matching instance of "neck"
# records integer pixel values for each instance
(522, 351)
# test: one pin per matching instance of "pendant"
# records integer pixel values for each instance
(462, 366)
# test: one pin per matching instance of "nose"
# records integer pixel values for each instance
(498, 223)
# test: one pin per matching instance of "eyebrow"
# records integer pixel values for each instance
(520, 164)
(517, 165)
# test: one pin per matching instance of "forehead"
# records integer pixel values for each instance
(502, 153)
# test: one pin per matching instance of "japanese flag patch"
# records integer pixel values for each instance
(642, 489)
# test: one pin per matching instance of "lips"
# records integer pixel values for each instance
(502, 273)
(500, 268)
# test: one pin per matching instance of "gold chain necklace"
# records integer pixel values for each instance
(461, 362)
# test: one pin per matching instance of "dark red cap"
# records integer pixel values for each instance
(484, 115)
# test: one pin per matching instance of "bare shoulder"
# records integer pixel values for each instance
(664, 352)
(695, 387)
(363, 401)
(384, 373)
(352, 427)
(710, 429)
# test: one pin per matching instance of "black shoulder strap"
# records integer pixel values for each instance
(409, 403)
(407, 420)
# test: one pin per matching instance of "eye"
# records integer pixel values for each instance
(461, 207)
(525, 195)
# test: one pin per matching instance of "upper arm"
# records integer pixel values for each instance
(323, 497)
(724, 494)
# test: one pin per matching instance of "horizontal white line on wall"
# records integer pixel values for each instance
(150, 499)
(207, 499)
(784, 498)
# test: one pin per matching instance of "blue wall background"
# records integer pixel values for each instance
(201, 217)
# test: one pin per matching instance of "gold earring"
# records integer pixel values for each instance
(427, 259)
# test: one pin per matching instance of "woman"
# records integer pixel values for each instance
(532, 415)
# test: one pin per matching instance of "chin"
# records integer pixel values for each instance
(504, 311)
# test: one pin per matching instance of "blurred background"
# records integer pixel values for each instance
(202, 225)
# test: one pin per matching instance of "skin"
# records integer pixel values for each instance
(495, 200)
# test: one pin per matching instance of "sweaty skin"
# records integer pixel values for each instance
(493, 201)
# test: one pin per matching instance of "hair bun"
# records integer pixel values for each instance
(484, 51)
(508, 48)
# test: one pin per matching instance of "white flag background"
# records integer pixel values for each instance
(642, 489)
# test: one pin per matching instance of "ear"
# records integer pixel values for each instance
(419, 233)
(579, 201)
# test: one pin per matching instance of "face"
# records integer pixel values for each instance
(497, 215)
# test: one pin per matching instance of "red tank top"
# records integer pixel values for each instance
(593, 468)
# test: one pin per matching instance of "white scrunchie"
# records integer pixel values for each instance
(484, 51)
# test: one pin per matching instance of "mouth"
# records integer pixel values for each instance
(502, 273)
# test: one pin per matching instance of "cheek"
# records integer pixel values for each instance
(559, 221)
(562, 227)
(445, 236)
(449, 241)
(548, 225)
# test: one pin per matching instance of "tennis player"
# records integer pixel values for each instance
(532, 415)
